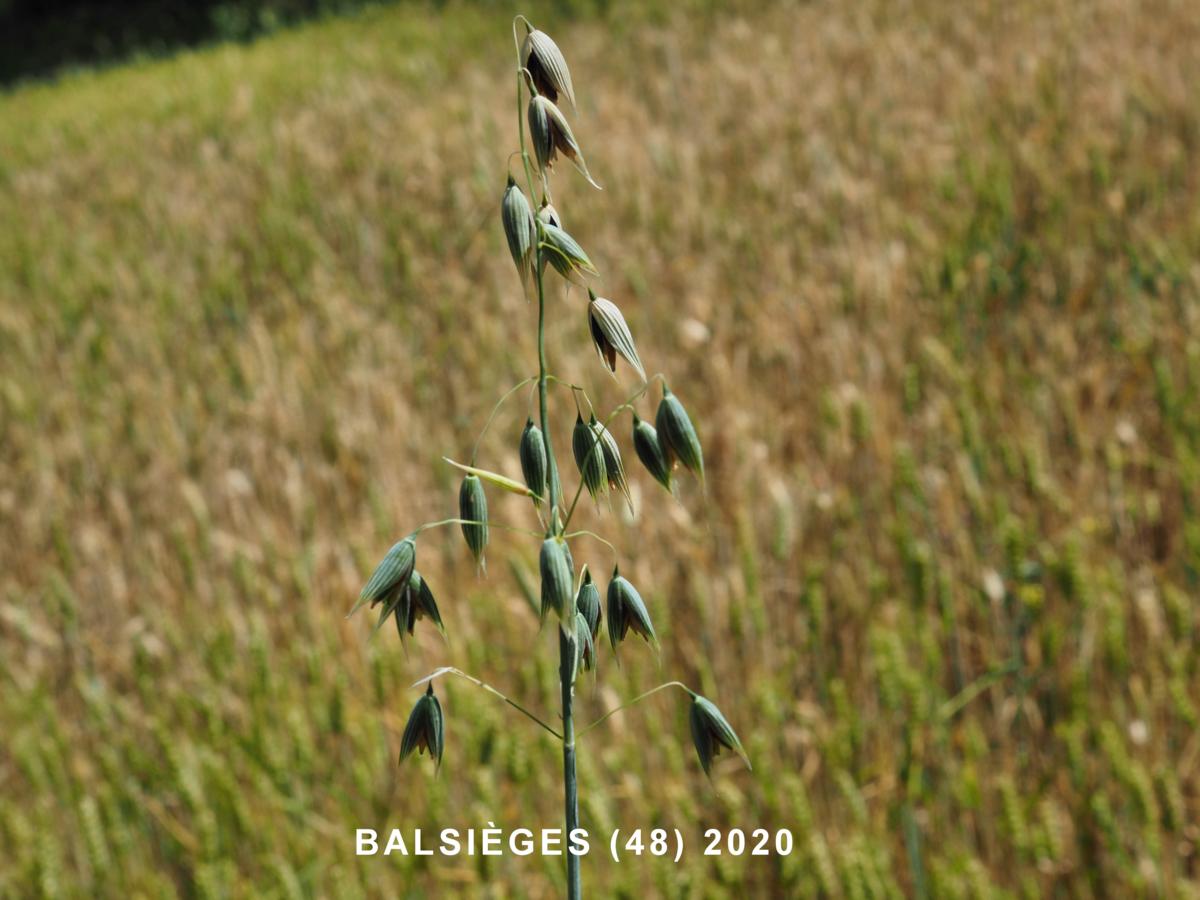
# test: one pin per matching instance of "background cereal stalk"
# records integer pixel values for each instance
(534, 242)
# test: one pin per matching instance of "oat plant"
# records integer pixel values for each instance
(538, 242)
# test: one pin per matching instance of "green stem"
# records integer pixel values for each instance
(450, 670)
(566, 663)
(566, 675)
(638, 699)
(489, 524)
(566, 668)
(592, 534)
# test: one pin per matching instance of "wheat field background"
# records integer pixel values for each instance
(925, 274)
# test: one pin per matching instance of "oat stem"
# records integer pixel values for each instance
(566, 669)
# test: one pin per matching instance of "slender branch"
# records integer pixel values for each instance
(496, 409)
(451, 670)
(638, 699)
(489, 523)
(565, 383)
(592, 534)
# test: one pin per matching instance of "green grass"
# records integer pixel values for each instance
(926, 279)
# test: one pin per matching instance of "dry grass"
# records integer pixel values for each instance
(925, 274)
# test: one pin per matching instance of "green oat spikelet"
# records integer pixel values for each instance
(586, 642)
(587, 603)
(520, 230)
(396, 603)
(648, 449)
(534, 465)
(611, 336)
(589, 458)
(390, 576)
(419, 604)
(548, 215)
(551, 134)
(614, 468)
(677, 436)
(472, 507)
(564, 253)
(627, 612)
(425, 730)
(547, 66)
(555, 567)
(711, 733)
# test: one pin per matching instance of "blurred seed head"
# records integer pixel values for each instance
(472, 506)
(547, 66)
(711, 733)
(611, 335)
(627, 612)
(425, 731)
(650, 452)
(677, 436)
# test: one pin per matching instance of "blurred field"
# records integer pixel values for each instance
(926, 275)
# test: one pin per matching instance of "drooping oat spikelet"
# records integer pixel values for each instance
(419, 604)
(650, 452)
(627, 612)
(472, 508)
(587, 601)
(585, 643)
(611, 335)
(547, 66)
(520, 230)
(548, 215)
(564, 253)
(677, 436)
(589, 458)
(556, 570)
(551, 134)
(711, 732)
(614, 468)
(390, 576)
(425, 730)
(533, 458)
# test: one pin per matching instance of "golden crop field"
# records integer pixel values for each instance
(927, 276)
